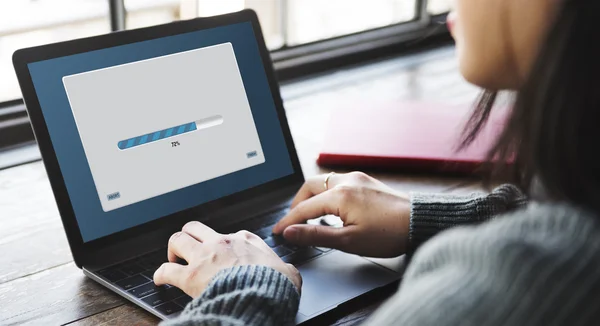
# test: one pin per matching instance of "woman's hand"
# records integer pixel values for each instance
(376, 218)
(207, 252)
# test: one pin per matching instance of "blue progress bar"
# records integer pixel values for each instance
(170, 132)
(157, 135)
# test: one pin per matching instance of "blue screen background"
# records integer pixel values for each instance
(93, 222)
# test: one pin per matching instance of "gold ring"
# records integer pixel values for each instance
(326, 183)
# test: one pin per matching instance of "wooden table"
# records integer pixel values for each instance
(40, 285)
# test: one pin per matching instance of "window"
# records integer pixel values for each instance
(304, 35)
(288, 23)
(314, 20)
(142, 13)
(436, 7)
(25, 23)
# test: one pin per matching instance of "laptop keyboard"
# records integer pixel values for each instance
(135, 276)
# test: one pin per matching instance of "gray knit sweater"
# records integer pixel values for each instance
(537, 265)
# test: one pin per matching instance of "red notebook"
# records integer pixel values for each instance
(405, 136)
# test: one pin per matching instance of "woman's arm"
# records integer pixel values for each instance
(380, 221)
(537, 266)
(243, 295)
(255, 295)
(261, 295)
(433, 213)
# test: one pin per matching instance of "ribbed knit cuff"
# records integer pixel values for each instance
(433, 213)
(250, 295)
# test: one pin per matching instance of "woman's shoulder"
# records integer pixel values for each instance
(541, 231)
(535, 221)
(535, 266)
(545, 221)
(546, 218)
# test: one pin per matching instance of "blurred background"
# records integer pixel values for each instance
(286, 23)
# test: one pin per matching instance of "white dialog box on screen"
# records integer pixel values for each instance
(155, 126)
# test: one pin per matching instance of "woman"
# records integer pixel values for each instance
(536, 264)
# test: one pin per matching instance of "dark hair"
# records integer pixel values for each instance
(554, 127)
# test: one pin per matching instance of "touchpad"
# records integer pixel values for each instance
(339, 277)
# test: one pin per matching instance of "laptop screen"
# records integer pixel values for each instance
(147, 129)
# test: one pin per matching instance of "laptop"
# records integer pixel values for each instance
(144, 130)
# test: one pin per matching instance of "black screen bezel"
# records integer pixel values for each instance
(23, 57)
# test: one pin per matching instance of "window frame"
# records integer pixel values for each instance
(290, 62)
(15, 129)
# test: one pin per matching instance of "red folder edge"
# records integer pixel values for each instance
(346, 146)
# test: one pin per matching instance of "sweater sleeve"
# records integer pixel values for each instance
(536, 266)
(432, 213)
(243, 295)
